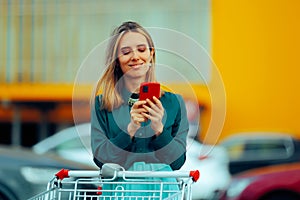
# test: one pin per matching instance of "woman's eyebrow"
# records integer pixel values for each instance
(125, 48)
(141, 45)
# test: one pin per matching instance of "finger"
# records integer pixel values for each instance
(137, 110)
(157, 102)
(137, 114)
(148, 116)
(152, 114)
(150, 110)
(138, 104)
(137, 119)
(151, 104)
(154, 110)
(154, 120)
(154, 107)
(141, 110)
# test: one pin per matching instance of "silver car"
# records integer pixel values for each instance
(24, 173)
(248, 150)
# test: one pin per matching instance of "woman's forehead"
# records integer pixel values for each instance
(132, 39)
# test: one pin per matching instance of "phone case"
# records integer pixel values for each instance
(148, 90)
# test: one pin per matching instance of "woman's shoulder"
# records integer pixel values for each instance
(170, 97)
(98, 102)
(98, 99)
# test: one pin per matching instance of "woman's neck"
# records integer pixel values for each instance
(133, 85)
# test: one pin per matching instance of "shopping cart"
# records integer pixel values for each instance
(112, 182)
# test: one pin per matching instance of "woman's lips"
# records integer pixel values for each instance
(136, 65)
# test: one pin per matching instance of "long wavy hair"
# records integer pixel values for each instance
(109, 83)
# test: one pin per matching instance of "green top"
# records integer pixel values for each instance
(112, 144)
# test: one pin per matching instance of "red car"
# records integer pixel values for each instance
(277, 182)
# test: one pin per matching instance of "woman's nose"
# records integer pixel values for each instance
(135, 55)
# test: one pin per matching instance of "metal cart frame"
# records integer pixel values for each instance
(112, 182)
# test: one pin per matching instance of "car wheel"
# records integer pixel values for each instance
(281, 196)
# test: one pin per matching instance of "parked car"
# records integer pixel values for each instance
(212, 161)
(24, 173)
(277, 182)
(257, 149)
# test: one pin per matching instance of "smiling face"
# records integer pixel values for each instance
(134, 55)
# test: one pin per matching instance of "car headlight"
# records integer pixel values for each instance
(38, 175)
(237, 186)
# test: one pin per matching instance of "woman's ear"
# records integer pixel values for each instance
(152, 51)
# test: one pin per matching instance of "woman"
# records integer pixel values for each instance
(147, 131)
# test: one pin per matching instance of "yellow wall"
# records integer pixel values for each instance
(256, 47)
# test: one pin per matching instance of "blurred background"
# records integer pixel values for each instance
(254, 45)
(244, 97)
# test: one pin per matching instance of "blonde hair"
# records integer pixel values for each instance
(109, 82)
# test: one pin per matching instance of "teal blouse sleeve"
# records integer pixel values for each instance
(106, 149)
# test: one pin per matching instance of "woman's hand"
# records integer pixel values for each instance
(155, 113)
(136, 117)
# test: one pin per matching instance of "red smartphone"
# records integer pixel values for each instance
(148, 90)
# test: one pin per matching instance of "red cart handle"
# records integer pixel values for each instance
(63, 173)
(195, 175)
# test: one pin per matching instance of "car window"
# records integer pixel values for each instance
(235, 151)
(267, 149)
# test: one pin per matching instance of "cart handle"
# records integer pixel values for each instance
(63, 173)
(66, 173)
(195, 175)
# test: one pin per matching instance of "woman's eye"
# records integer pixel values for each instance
(126, 51)
(142, 48)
